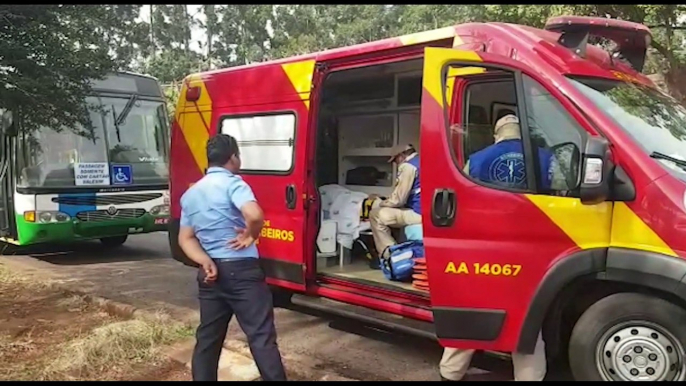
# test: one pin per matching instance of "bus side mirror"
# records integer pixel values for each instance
(6, 120)
(596, 172)
(8, 126)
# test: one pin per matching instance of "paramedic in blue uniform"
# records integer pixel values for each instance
(220, 222)
(502, 163)
(402, 207)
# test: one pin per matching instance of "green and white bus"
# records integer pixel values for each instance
(61, 187)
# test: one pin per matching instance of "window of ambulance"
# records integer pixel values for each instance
(656, 122)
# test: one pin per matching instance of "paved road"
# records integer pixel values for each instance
(143, 271)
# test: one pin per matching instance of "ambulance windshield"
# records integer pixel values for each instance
(657, 122)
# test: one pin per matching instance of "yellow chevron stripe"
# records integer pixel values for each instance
(454, 72)
(587, 225)
(630, 231)
(434, 60)
(191, 123)
(427, 36)
(300, 74)
(602, 225)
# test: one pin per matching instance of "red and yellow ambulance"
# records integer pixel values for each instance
(595, 260)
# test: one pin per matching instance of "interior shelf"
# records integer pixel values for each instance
(367, 152)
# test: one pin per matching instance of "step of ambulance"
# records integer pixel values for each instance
(381, 319)
(376, 318)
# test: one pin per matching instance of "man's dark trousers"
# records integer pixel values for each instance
(240, 289)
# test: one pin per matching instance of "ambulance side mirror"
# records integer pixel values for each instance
(596, 172)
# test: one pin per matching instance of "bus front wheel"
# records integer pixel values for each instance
(113, 242)
(629, 337)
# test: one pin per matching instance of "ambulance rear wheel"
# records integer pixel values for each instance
(114, 242)
(629, 337)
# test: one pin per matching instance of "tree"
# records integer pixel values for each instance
(171, 31)
(48, 56)
(211, 24)
(128, 39)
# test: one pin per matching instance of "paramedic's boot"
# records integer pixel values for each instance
(374, 262)
(466, 378)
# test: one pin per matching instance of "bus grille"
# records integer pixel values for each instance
(114, 199)
(102, 215)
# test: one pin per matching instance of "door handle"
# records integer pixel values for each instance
(290, 197)
(443, 208)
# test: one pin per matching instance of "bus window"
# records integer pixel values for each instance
(139, 140)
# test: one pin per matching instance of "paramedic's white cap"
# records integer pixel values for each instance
(507, 128)
(397, 149)
(508, 120)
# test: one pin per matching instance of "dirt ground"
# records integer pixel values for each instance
(48, 335)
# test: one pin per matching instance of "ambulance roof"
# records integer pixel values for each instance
(531, 45)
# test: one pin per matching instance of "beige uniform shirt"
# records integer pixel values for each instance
(403, 185)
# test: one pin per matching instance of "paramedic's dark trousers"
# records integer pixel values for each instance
(240, 290)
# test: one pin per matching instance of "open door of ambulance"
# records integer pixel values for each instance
(272, 137)
(493, 223)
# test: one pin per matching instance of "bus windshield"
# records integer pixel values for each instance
(135, 146)
(656, 121)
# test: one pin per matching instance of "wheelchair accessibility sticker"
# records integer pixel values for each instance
(122, 174)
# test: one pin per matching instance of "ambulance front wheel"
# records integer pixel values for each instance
(629, 337)
(113, 242)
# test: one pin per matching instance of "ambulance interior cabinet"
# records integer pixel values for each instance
(365, 142)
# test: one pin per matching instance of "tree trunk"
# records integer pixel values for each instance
(152, 33)
(675, 79)
(210, 33)
(187, 31)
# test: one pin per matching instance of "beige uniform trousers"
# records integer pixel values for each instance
(455, 363)
(381, 219)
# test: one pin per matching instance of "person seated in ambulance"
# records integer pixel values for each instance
(503, 164)
(402, 207)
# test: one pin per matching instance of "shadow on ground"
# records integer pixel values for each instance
(557, 371)
(87, 252)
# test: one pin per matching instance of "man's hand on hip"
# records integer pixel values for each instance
(242, 240)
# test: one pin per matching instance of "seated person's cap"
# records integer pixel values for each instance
(509, 119)
(397, 149)
(506, 128)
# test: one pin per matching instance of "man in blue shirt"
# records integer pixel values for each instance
(220, 222)
(502, 163)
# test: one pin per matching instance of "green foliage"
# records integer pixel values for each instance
(48, 53)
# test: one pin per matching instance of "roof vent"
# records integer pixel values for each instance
(632, 39)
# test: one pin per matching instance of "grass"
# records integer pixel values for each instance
(11, 279)
(115, 347)
(100, 347)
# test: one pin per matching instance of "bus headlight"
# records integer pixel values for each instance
(160, 210)
(45, 217)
